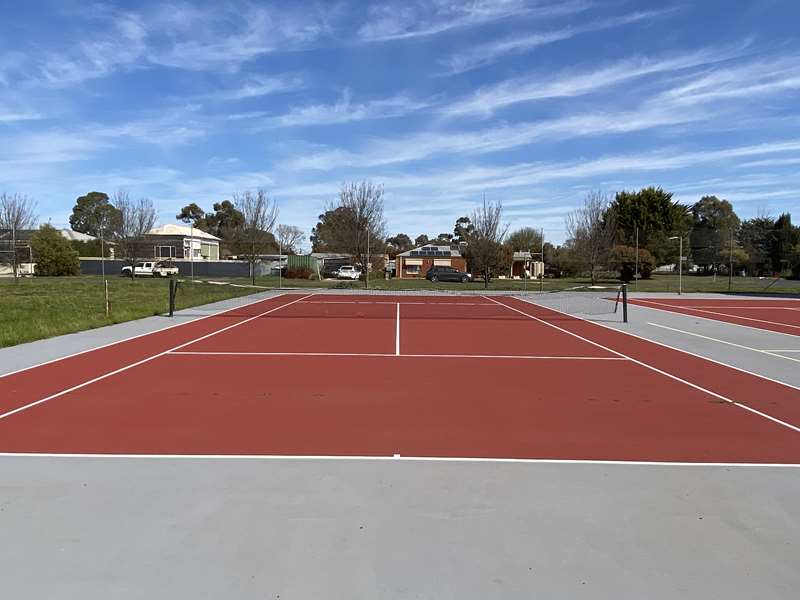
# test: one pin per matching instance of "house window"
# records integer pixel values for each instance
(165, 251)
(412, 269)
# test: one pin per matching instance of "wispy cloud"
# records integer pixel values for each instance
(345, 111)
(397, 21)
(491, 98)
(258, 86)
(489, 53)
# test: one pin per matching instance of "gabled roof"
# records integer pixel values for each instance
(432, 250)
(182, 230)
(76, 236)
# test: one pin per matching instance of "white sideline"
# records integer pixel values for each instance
(652, 368)
(705, 337)
(397, 335)
(387, 355)
(712, 312)
(397, 457)
(222, 311)
(144, 360)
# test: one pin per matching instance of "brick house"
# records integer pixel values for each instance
(414, 263)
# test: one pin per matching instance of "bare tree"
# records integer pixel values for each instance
(485, 251)
(255, 236)
(362, 229)
(289, 237)
(591, 231)
(138, 217)
(17, 212)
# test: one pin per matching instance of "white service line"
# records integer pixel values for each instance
(705, 337)
(394, 457)
(397, 335)
(395, 355)
(217, 313)
(144, 360)
(712, 312)
(652, 368)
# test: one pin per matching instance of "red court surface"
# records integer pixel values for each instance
(415, 376)
(773, 314)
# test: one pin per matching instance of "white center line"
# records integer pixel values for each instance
(397, 336)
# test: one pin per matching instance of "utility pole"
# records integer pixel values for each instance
(366, 267)
(730, 264)
(191, 249)
(541, 277)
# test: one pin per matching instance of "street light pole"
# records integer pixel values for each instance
(680, 262)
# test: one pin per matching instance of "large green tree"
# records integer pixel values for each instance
(398, 243)
(226, 221)
(525, 239)
(53, 254)
(714, 230)
(652, 212)
(755, 237)
(784, 238)
(93, 213)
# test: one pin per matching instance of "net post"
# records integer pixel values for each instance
(171, 296)
(624, 302)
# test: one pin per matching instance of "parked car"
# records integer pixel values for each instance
(348, 272)
(447, 274)
(150, 269)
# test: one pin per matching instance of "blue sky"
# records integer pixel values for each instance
(533, 103)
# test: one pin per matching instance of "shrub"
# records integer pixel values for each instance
(53, 254)
(298, 273)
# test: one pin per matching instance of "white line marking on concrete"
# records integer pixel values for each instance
(656, 369)
(138, 335)
(705, 337)
(387, 355)
(140, 362)
(397, 336)
(711, 312)
(295, 457)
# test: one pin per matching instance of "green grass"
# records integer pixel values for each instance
(41, 307)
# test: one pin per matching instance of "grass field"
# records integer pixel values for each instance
(42, 307)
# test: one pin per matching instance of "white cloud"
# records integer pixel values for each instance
(258, 86)
(491, 98)
(486, 54)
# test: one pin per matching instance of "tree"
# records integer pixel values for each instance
(53, 253)
(289, 237)
(137, 218)
(784, 238)
(462, 230)
(398, 243)
(328, 235)
(255, 237)
(652, 214)
(714, 228)
(444, 239)
(93, 213)
(484, 252)
(755, 238)
(623, 259)
(360, 223)
(192, 213)
(526, 239)
(17, 212)
(421, 240)
(591, 230)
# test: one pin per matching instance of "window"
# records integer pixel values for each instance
(165, 252)
(412, 269)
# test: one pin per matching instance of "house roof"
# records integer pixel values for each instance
(183, 230)
(432, 250)
(522, 256)
(76, 236)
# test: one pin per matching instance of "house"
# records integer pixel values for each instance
(414, 263)
(524, 267)
(182, 242)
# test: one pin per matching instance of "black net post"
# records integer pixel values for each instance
(172, 289)
(624, 303)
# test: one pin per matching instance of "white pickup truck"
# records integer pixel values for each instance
(150, 269)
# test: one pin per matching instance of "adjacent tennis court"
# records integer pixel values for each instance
(773, 314)
(436, 376)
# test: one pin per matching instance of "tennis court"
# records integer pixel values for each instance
(399, 376)
(772, 314)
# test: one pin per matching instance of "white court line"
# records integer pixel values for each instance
(734, 307)
(705, 337)
(711, 312)
(144, 360)
(397, 336)
(663, 345)
(396, 355)
(397, 457)
(672, 312)
(221, 311)
(396, 302)
(652, 368)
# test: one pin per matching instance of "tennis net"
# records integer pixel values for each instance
(585, 301)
